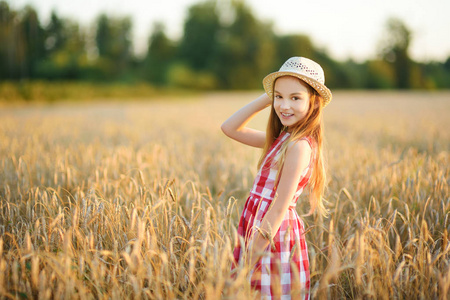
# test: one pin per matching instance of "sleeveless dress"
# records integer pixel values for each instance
(283, 272)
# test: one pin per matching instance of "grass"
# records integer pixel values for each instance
(141, 199)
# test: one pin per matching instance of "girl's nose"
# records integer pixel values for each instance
(284, 104)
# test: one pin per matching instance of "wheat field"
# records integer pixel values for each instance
(141, 199)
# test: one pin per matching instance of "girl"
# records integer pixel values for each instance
(291, 158)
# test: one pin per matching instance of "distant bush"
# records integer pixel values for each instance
(181, 76)
(49, 91)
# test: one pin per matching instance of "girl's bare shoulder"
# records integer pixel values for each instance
(300, 145)
(298, 151)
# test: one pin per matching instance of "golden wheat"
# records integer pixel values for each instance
(141, 199)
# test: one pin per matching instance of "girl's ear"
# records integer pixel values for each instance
(315, 100)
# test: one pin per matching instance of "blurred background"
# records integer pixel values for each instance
(101, 47)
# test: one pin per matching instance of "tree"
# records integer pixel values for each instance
(55, 34)
(10, 53)
(33, 41)
(247, 50)
(394, 50)
(113, 40)
(447, 64)
(380, 75)
(293, 45)
(160, 54)
(66, 51)
(22, 42)
(198, 45)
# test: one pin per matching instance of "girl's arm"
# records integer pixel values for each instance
(297, 159)
(234, 126)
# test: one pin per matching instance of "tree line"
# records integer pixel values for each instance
(219, 49)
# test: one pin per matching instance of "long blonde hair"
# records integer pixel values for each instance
(311, 125)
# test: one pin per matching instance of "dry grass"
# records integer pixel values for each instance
(141, 200)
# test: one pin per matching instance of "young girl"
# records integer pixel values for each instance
(273, 233)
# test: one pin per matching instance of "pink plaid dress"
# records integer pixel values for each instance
(284, 271)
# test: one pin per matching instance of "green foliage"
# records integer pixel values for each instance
(380, 75)
(8, 57)
(292, 45)
(224, 45)
(49, 91)
(113, 37)
(56, 34)
(247, 51)
(182, 76)
(201, 31)
(435, 75)
(160, 54)
(394, 49)
(33, 35)
(21, 37)
(352, 75)
(113, 41)
(330, 67)
(66, 56)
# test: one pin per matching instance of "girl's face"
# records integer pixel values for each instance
(291, 100)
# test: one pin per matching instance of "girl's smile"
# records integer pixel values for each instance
(291, 100)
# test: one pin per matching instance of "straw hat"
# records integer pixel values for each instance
(304, 69)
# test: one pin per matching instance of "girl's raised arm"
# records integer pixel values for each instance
(234, 126)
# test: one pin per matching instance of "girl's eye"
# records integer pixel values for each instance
(277, 97)
(295, 98)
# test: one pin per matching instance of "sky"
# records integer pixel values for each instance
(345, 29)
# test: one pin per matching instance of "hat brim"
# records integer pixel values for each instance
(268, 83)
